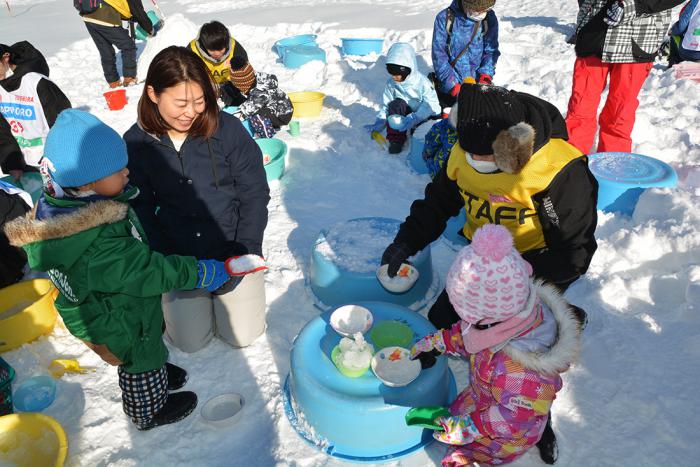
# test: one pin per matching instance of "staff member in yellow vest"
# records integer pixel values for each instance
(103, 20)
(514, 167)
(215, 46)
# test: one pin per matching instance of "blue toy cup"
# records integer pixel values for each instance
(415, 156)
(35, 394)
(352, 46)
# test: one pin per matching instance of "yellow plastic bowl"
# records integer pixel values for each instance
(307, 103)
(32, 439)
(26, 312)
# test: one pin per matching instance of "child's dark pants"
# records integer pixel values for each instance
(397, 107)
(143, 394)
(105, 38)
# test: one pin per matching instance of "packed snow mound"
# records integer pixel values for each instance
(177, 30)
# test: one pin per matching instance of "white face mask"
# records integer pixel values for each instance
(476, 16)
(484, 167)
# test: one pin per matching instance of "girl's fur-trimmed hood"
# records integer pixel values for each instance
(566, 347)
(28, 229)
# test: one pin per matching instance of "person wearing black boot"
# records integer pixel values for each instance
(512, 166)
(90, 242)
(408, 100)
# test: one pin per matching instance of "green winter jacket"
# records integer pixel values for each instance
(110, 281)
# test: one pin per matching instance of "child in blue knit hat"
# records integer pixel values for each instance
(85, 236)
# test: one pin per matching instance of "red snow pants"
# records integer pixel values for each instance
(617, 117)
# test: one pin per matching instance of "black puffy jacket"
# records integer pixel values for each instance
(208, 200)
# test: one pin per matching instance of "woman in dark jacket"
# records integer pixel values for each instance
(203, 191)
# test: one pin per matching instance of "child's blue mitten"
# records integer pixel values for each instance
(378, 125)
(211, 274)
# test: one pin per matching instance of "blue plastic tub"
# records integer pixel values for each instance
(276, 150)
(451, 234)
(335, 284)
(360, 419)
(139, 32)
(353, 46)
(299, 55)
(304, 39)
(415, 156)
(35, 394)
(623, 177)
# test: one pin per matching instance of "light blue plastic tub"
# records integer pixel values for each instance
(304, 39)
(360, 419)
(35, 394)
(415, 156)
(277, 150)
(139, 32)
(451, 233)
(353, 46)
(623, 177)
(334, 285)
(299, 55)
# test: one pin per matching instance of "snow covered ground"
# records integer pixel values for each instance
(629, 401)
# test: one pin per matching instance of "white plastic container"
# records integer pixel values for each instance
(401, 282)
(223, 410)
(351, 319)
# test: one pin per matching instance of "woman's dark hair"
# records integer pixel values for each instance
(170, 67)
(214, 36)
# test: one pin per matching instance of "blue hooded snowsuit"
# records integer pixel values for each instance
(416, 89)
(481, 57)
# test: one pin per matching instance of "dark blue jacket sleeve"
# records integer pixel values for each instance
(251, 185)
(681, 25)
(490, 54)
(441, 59)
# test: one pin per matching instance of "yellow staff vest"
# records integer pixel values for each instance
(506, 199)
(220, 72)
(122, 6)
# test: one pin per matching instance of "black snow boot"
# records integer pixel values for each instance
(581, 316)
(177, 377)
(395, 148)
(548, 443)
(178, 406)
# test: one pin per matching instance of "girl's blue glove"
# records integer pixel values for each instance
(378, 125)
(211, 274)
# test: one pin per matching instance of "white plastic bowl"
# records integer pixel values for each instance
(395, 121)
(223, 410)
(401, 282)
(393, 367)
(351, 319)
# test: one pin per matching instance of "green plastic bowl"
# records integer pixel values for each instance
(273, 150)
(391, 334)
(349, 372)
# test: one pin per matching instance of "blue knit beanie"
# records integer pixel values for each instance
(82, 149)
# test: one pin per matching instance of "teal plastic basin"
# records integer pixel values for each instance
(276, 149)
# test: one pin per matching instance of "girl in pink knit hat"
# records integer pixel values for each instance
(519, 335)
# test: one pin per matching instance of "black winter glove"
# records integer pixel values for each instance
(395, 255)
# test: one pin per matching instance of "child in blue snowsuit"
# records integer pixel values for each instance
(685, 35)
(439, 141)
(408, 94)
(465, 45)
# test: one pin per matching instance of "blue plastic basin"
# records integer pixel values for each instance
(139, 32)
(623, 177)
(451, 234)
(299, 55)
(302, 39)
(35, 394)
(276, 149)
(335, 285)
(415, 156)
(360, 419)
(352, 46)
